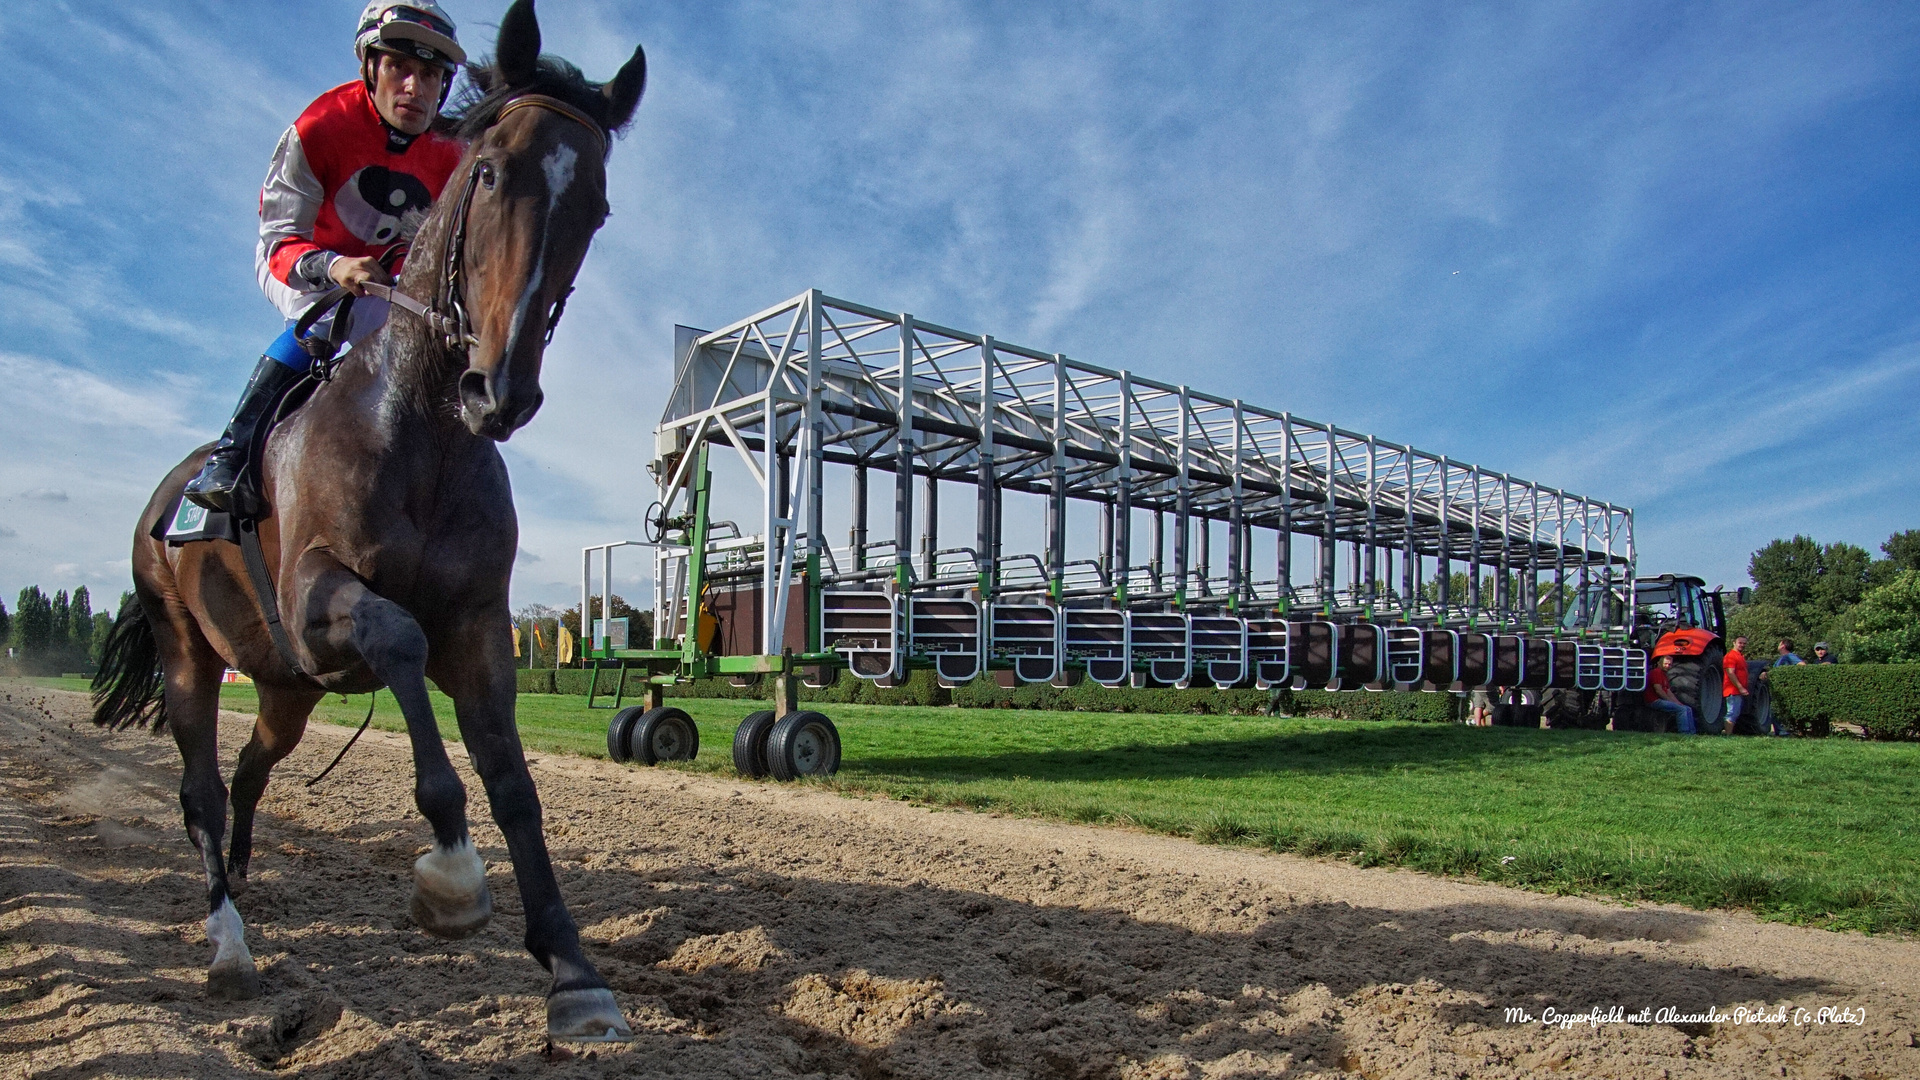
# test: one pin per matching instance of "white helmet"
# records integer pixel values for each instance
(410, 28)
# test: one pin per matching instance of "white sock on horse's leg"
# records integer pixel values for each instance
(231, 976)
(450, 897)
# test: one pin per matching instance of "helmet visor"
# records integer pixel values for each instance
(408, 30)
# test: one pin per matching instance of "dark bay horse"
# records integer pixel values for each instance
(392, 533)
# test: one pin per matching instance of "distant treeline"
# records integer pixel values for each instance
(51, 635)
(1807, 592)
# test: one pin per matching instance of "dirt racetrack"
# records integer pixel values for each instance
(753, 930)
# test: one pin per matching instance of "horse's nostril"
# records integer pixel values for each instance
(475, 395)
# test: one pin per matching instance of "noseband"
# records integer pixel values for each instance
(448, 315)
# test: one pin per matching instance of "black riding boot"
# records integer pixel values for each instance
(213, 488)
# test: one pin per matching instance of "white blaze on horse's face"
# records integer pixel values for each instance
(559, 169)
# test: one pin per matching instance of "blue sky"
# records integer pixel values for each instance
(1658, 254)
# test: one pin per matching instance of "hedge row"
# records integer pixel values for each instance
(921, 689)
(1883, 699)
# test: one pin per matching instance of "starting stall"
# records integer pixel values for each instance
(1222, 543)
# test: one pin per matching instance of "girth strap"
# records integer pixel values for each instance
(264, 592)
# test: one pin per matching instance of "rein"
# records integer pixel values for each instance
(447, 316)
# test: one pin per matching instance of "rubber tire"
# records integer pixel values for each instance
(803, 743)
(619, 729)
(1696, 682)
(664, 729)
(750, 744)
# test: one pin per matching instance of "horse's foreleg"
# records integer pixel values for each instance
(277, 730)
(479, 677)
(450, 897)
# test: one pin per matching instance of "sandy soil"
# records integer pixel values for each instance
(752, 929)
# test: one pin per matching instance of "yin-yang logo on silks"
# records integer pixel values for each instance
(381, 206)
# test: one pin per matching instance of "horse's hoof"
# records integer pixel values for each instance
(586, 1016)
(237, 981)
(231, 976)
(450, 897)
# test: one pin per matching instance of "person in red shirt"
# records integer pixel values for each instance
(1733, 682)
(350, 183)
(1659, 695)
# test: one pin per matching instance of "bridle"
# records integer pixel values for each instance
(448, 316)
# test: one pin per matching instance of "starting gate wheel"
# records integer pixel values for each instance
(803, 744)
(619, 730)
(663, 734)
(750, 744)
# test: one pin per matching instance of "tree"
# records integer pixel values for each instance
(6, 623)
(97, 647)
(1784, 572)
(1841, 582)
(32, 624)
(1887, 623)
(1763, 625)
(1903, 550)
(58, 633)
(80, 622)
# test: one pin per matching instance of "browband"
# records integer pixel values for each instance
(553, 104)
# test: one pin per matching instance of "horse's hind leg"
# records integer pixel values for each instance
(193, 672)
(277, 730)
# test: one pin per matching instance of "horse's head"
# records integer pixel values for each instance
(535, 186)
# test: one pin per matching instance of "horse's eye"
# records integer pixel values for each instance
(486, 175)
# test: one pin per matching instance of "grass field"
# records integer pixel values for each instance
(1821, 832)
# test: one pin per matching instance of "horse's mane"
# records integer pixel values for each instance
(476, 106)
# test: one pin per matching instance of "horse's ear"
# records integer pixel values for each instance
(518, 48)
(623, 93)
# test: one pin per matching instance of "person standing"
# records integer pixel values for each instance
(1733, 683)
(1822, 654)
(1787, 657)
(1659, 695)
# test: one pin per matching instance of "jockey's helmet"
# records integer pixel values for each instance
(416, 28)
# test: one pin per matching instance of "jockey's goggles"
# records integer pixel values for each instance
(411, 31)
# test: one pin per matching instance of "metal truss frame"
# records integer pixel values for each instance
(817, 380)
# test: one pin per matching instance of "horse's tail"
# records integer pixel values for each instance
(129, 691)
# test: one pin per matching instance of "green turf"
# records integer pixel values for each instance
(1811, 831)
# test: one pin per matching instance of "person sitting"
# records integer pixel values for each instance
(350, 183)
(1824, 655)
(1659, 695)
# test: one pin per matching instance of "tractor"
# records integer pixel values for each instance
(1672, 615)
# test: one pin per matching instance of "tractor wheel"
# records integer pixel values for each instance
(750, 744)
(663, 734)
(803, 744)
(1696, 682)
(619, 729)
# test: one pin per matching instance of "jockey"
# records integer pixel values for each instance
(349, 185)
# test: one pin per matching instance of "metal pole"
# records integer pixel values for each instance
(986, 531)
(858, 534)
(1203, 563)
(1371, 577)
(903, 467)
(1181, 504)
(1057, 493)
(1473, 554)
(1444, 574)
(1123, 538)
(1327, 553)
(930, 537)
(1283, 570)
(1410, 556)
(1236, 523)
(1156, 535)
